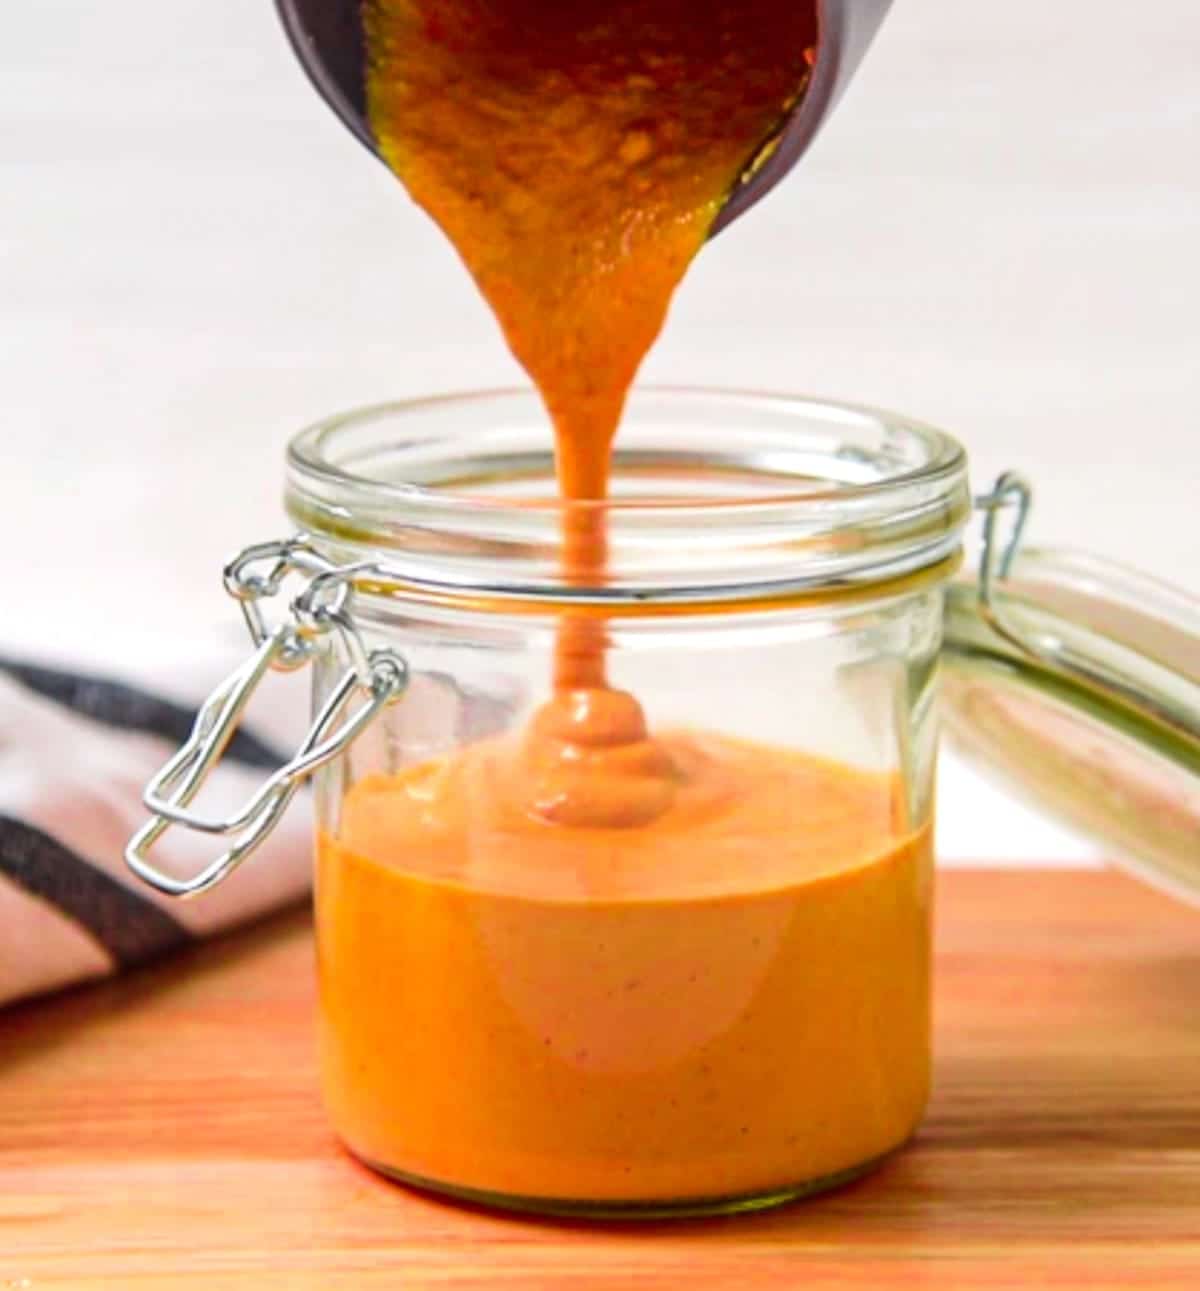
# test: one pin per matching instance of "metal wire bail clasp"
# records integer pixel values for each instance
(996, 560)
(381, 675)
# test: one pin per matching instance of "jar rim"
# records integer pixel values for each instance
(307, 456)
(717, 493)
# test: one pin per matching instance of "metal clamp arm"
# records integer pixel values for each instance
(381, 675)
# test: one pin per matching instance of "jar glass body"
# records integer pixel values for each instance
(722, 1008)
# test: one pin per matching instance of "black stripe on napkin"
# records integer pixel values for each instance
(113, 703)
(129, 926)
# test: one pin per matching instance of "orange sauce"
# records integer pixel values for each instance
(732, 999)
(589, 961)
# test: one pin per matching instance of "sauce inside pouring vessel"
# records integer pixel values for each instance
(590, 960)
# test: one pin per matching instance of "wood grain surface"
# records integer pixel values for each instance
(165, 1131)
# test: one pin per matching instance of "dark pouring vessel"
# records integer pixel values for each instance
(327, 36)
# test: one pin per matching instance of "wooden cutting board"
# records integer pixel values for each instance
(165, 1131)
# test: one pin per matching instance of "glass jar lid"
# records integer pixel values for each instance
(1076, 683)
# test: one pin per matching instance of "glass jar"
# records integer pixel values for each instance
(662, 945)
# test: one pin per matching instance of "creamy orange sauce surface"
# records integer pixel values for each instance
(589, 960)
(732, 999)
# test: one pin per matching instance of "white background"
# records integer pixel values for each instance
(999, 233)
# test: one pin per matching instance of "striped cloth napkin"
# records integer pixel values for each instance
(76, 751)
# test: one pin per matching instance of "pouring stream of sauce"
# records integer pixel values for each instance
(576, 154)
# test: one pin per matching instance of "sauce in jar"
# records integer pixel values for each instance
(709, 1005)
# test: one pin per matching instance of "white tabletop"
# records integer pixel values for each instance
(999, 233)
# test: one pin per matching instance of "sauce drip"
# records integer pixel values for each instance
(576, 153)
